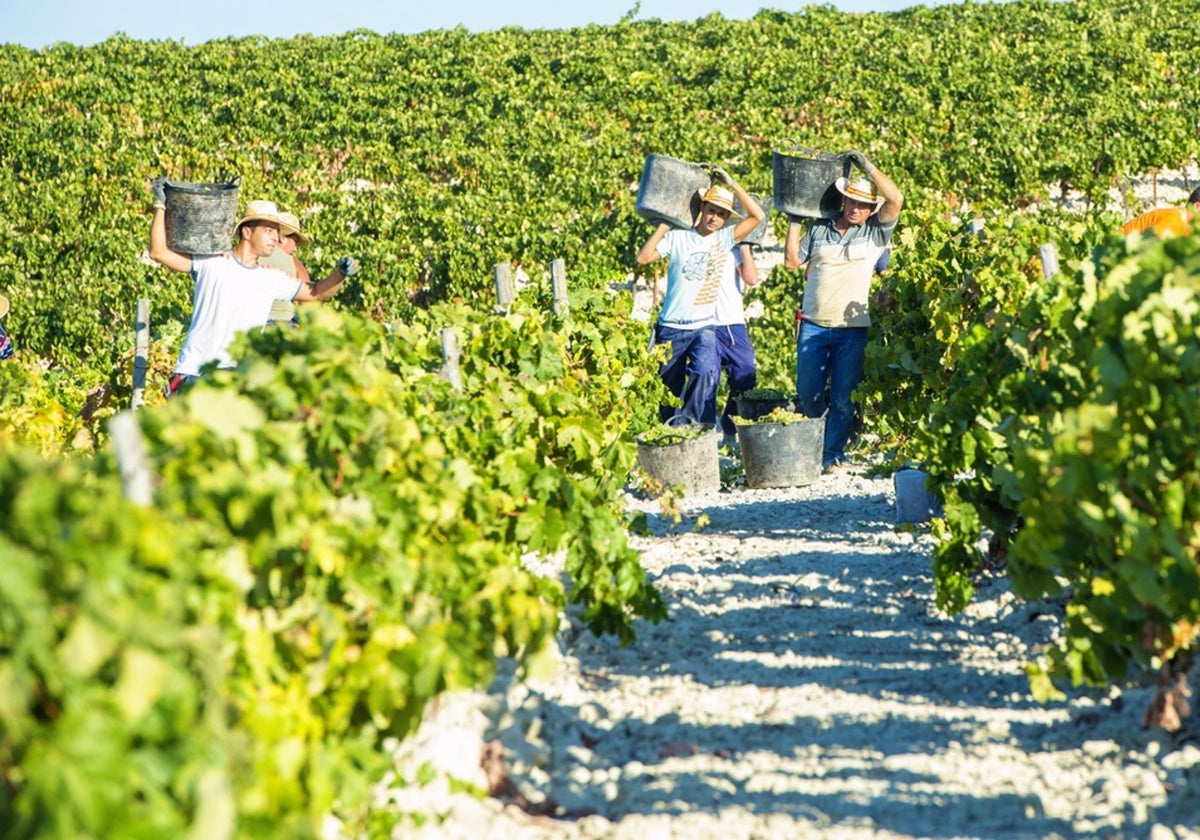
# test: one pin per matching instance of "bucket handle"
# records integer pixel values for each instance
(800, 151)
(794, 145)
(708, 168)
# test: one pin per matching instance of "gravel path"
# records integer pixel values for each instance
(805, 685)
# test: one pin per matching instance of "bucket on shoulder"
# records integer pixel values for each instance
(668, 191)
(803, 181)
(200, 217)
(755, 237)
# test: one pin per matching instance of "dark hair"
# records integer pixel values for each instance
(252, 223)
(1194, 198)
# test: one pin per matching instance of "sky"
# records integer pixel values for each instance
(41, 23)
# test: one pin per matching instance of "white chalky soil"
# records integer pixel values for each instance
(805, 685)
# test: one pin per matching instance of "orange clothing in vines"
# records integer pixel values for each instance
(1176, 221)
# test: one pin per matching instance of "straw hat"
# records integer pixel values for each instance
(289, 225)
(860, 189)
(3, 306)
(719, 196)
(260, 211)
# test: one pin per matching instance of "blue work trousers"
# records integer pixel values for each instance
(691, 373)
(829, 366)
(735, 356)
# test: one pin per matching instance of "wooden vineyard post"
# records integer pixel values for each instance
(450, 358)
(505, 293)
(131, 458)
(558, 283)
(1049, 257)
(141, 355)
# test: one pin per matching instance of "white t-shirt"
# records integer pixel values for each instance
(229, 298)
(698, 265)
(730, 309)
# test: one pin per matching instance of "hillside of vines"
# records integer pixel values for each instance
(337, 532)
(432, 157)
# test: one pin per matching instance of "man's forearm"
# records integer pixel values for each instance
(327, 288)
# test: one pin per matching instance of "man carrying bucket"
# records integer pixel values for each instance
(700, 259)
(232, 293)
(735, 353)
(283, 312)
(839, 256)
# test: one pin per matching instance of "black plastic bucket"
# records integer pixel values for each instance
(751, 408)
(200, 217)
(803, 182)
(782, 454)
(688, 460)
(755, 237)
(668, 191)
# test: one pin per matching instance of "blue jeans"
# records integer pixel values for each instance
(690, 373)
(735, 355)
(829, 366)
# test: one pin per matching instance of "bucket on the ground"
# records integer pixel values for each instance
(752, 407)
(668, 191)
(915, 502)
(755, 237)
(686, 460)
(782, 454)
(803, 181)
(200, 217)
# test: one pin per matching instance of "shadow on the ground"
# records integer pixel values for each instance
(850, 613)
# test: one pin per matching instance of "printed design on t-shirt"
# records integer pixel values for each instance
(707, 269)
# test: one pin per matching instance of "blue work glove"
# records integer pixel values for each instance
(158, 187)
(348, 266)
(860, 160)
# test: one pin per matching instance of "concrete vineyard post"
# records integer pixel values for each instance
(130, 449)
(450, 358)
(141, 354)
(505, 293)
(558, 281)
(1049, 257)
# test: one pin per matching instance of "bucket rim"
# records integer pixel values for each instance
(200, 188)
(676, 433)
(659, 156)
(807, 154)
